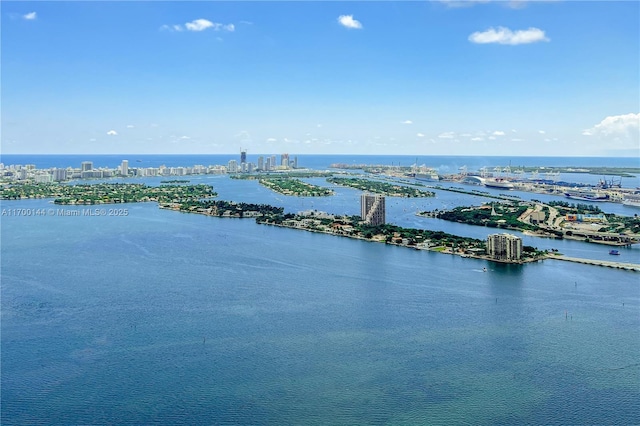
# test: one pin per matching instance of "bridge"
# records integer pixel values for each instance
(618, 265)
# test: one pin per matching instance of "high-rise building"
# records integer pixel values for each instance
(504, 247)
(59, 175)
(243, 156)
(232, 167)
(372, 209)
(86, 166)
(295, 162)
(284, 160)
(261, 163)
(124, 168)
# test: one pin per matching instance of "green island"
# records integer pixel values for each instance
(175, 181)
(221, 208)
(106, 193)
(557, 219)
(296, 187)
(380, 187)
(419, 239)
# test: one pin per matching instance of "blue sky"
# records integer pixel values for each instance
(426, 78)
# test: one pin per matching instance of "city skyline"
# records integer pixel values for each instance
(414, 78)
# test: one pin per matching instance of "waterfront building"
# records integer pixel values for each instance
(284, 160)
(261, 163)
(43, 178)
(232, 167)
(372, 209)
(59, 175)
(243, 156)
(504, 247)
(86, 166)
(295, 162)
(273, 162)
(124, 168)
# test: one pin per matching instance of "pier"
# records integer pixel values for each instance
(618, 265)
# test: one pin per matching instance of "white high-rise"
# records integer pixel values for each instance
(504, 247)
(372, 209)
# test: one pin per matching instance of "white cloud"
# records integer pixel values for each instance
(447, 135)
(112, 133)
(347, 21)
(477, 139)
(272, 140)
(31, 16)
(517, 140)
(503, 35)
(616, 125)
(498, 133)
(319, 126)
(130, 126)
(420, 135)
(542, 132)
(184, 137)
(407, 122)
(199, 25)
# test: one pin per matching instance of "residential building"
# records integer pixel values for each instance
(372, 209)
(504, 247)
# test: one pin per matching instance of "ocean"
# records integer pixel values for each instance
(171, 318)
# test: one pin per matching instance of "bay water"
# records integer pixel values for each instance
(172, 318)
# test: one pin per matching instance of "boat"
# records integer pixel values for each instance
(499, 183)
(631, 200)
(586, 195)
(430, 176)
(614, 252)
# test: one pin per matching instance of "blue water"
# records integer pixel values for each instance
(172, 318)
(444, 164)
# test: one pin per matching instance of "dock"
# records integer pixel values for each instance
(618, 265)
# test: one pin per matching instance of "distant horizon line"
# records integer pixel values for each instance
(346, 155)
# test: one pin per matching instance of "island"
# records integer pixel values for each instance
(296, 187)
(380, 187)
(106, 193)
(557, 219)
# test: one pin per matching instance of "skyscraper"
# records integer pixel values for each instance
(87, 166)
(504, 247)
(284, 160)
(372, 209)
(243, 156)
(261, 163)
(124, 168)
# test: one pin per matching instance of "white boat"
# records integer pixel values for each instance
(631, 200)
(586, 195)
(499, 183)
(431, 176)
